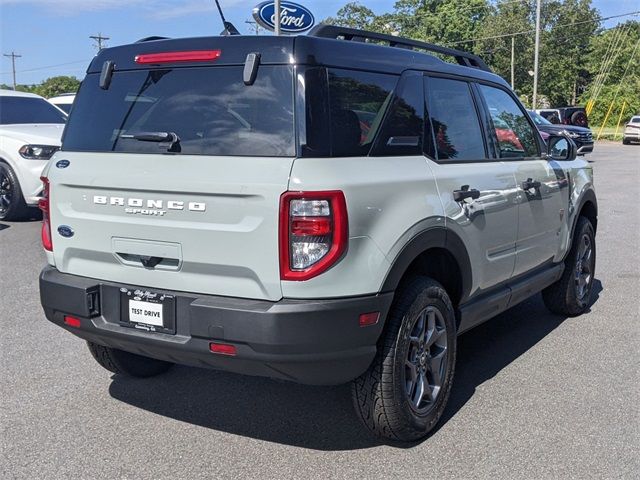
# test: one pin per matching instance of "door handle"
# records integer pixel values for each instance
(529, 183)
(465, 192)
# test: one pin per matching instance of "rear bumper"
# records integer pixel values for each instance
(307, 341)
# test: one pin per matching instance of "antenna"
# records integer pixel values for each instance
(229, 29)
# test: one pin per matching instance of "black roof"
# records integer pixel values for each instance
(299, 50)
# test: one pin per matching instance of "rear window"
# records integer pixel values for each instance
(17, 110)
(211, 111)
(635, 120)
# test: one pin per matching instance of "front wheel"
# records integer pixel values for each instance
(405, 390)
(571, 295)
(12, 204)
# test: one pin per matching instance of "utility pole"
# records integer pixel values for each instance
(535, 57)
(99, 38)
(276, 6)
(13, 56)
(254, 25)
(513, 62)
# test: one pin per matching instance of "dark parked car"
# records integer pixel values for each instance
(566, 116)
(582, 137)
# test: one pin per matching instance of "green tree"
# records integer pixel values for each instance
(353, 15)
(613, 64)
(56, 85)
(567, 29)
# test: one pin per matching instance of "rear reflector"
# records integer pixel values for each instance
(72, 321)
(367, 319)
(222, 348)
(172, 57)
(44, 205)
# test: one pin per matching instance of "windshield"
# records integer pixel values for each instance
(210, 110)
(538, 119)
(635, 120)
(28, 110)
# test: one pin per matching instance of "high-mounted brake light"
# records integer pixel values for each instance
(44, 204)
(173, 57)
(313, 233)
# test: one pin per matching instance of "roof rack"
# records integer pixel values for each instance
(151, 39)
(354, 35)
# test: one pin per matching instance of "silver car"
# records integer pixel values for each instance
(632, 131)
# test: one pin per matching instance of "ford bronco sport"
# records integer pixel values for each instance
(322, 209)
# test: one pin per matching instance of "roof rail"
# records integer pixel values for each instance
(355, 35)
(151, 39)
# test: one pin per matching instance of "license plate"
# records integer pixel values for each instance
(147, 310)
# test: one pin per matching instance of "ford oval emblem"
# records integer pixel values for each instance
(294, 18)
(66, 231)
(63, 163)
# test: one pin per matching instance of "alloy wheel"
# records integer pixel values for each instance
(6, 191)
(583, 274)
(426, 363)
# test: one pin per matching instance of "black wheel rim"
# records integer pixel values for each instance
(583, 272)
(6, 191)
(426, 363)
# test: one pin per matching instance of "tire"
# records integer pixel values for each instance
(571, 295)
(385, 395)
(625, 141)
(12, 204)
(125, 363)
(579, 118)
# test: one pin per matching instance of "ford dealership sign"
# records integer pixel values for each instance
(294, 18)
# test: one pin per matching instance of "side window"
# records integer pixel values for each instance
(357, 103)
(514, 132)
(402, 130)
(456, 129)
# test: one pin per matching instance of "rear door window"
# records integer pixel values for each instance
(514, 132)
(456, 128)
(402, 129)
(211, 111)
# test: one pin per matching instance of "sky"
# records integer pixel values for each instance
(53, 35)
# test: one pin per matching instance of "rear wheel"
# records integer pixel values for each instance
(125, 363)
(405, 390)
(625, 141)
(12, 204)
(571, 294)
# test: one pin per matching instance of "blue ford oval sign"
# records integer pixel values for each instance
(66, 231)
(294, 18)
(63, 163)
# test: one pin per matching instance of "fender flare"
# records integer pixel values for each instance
(435, 237)
(589, 195)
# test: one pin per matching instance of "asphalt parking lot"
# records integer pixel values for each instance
(535, 395)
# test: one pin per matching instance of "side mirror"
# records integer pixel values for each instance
(561, 148)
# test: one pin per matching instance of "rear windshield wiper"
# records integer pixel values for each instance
(160, 137)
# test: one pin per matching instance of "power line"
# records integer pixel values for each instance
(46, 67)
(13, 57)
(524, 32)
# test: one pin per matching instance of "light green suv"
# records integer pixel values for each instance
(321, 209)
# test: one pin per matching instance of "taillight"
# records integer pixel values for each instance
(313, 233)
(43, 204)
(173, 57)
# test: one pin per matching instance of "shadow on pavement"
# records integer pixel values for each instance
(322, 418)
(4, 226)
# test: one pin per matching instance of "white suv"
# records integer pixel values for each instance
(30, 131)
